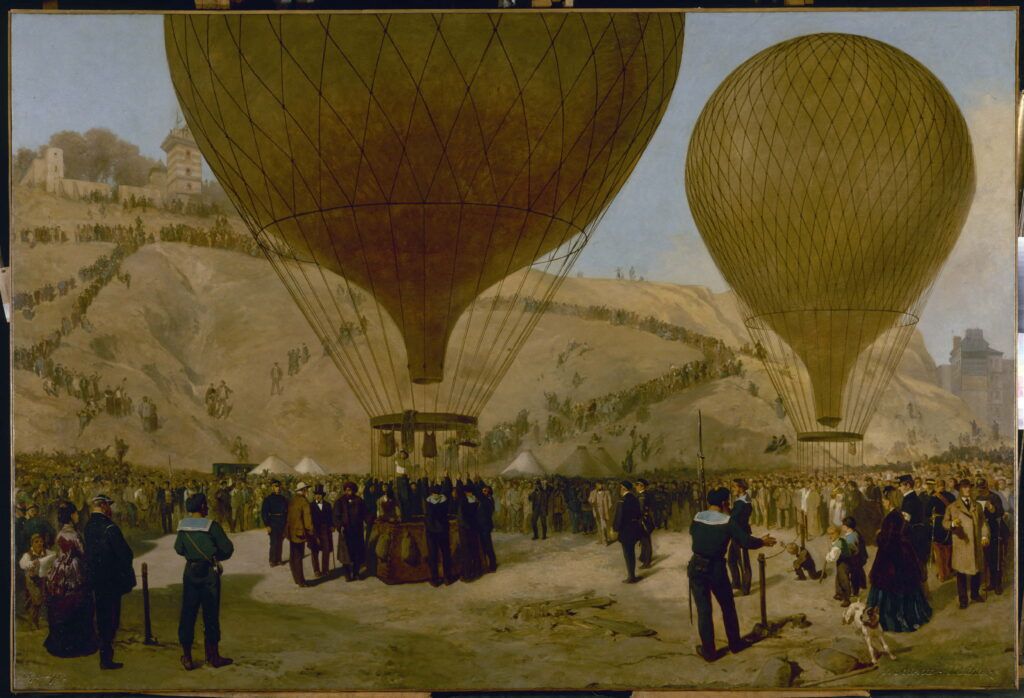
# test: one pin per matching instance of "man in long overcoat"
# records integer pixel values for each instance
(966, 520)
(298, 530)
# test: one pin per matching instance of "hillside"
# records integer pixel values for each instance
(195, 316)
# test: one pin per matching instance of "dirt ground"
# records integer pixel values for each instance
(367, 635)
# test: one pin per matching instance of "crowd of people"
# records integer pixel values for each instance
(220, 235)
(888, 531)
(42, 235)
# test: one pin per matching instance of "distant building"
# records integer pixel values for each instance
(982, 378)
(182, 181)
(47, 172)
(184, 165)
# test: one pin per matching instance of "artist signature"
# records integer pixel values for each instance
(939, 672)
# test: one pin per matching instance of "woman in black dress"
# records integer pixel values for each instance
(896, 588)
(69, 603)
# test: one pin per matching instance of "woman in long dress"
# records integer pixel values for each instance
(835, 508)
(69, 604)
(896, 578)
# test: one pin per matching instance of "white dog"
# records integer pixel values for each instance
(866, 620)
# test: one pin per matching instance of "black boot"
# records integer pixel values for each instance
(107, 660)
(186, 658)
(214, 658)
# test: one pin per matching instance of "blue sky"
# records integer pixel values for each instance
(80, 71)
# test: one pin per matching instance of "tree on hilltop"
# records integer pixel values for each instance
(99, 155)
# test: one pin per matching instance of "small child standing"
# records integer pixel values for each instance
(35, 563)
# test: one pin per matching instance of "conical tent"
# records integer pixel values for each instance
(308, 466)
(272, 465)
(582, 463)
(524, 465)
(606, 460)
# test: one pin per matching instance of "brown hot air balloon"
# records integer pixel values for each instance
(830, 176)
(423, 182)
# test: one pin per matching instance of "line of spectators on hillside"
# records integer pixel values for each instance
(28, 301)
(43, 235)
(581, 416)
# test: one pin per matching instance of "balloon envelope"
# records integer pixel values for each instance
(421, 159)
(830, 176)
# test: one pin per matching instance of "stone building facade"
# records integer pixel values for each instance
(982, 378)
(182, 181)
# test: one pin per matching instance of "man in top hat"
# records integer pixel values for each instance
(913, 510)
(627, 524)
(274, 513)
(965, 519)
(322, 540)
(711, 531)
(204, 545)
(350, 513)
(108, 559)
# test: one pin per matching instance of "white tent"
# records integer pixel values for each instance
(582, 463)
(524, 465)
(606, 460)
(308, 466)
(272, 465)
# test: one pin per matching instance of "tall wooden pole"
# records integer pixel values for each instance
(702, 482)
(763, 591)
(149, 640)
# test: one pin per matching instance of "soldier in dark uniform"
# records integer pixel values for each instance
(108, 559)
(275, 517)
(539, 507)
(711, 532)
(204, 545)
(165, 505)
(485, 525)
(738, 556)
(438, 539)
(998, 532)
(646, 523)
(627, 524)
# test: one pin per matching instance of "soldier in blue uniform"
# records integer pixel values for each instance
(203, 544)
(274, 513)
(711, 532)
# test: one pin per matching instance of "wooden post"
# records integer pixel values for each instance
(803, 530)
(145, 606)
(701, 481)
(764, 594)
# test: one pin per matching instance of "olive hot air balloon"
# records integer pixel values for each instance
(830, 176)
(422, 183)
